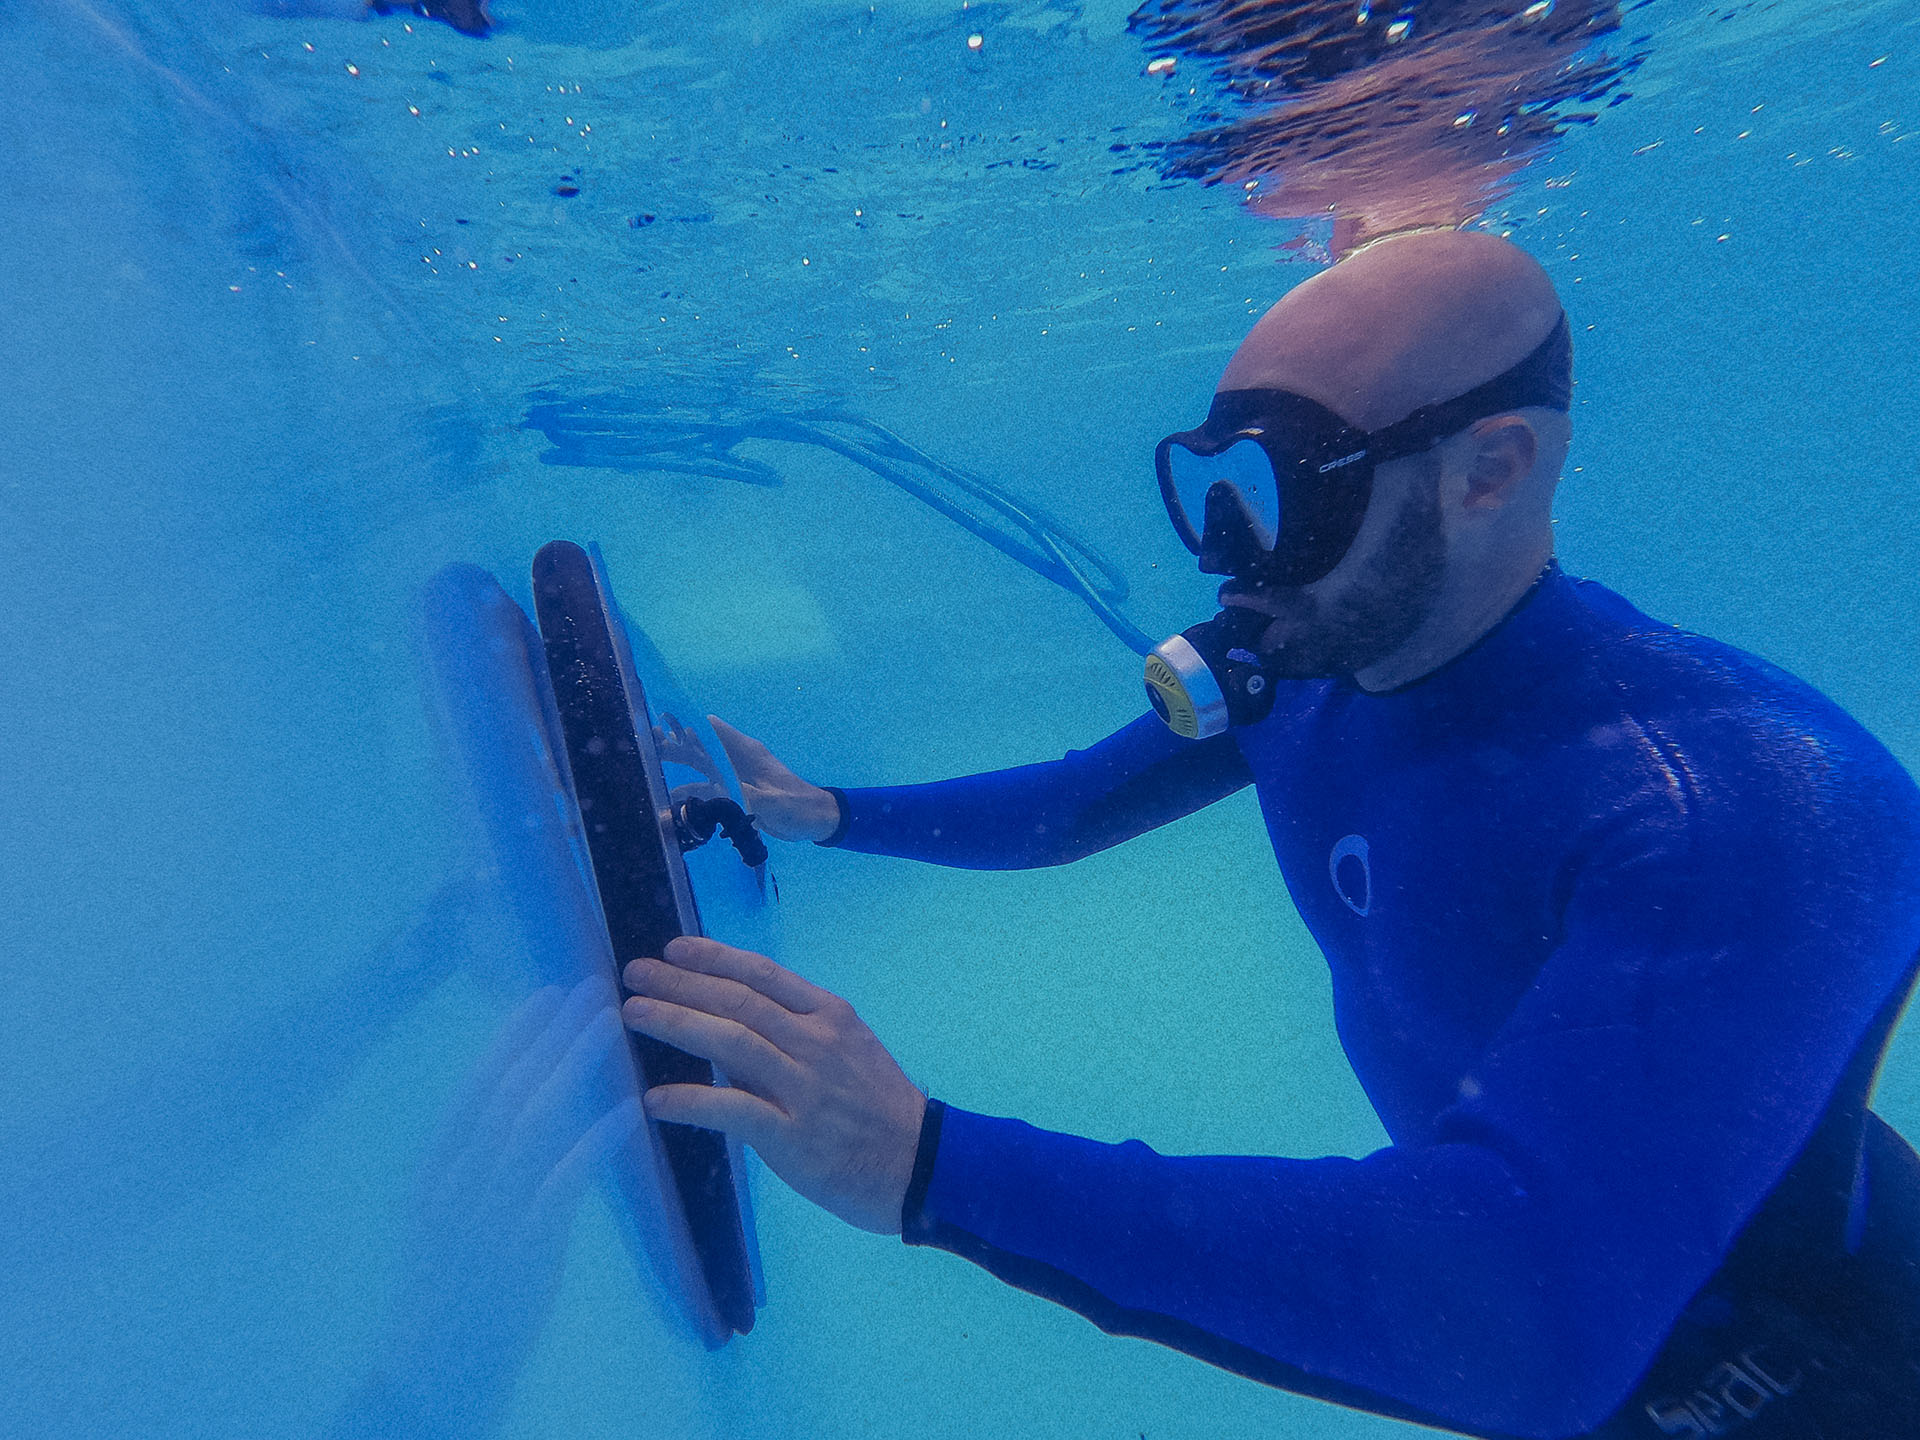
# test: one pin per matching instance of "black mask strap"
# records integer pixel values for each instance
(1544, 380)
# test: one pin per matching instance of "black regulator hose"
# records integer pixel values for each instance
(696, 820)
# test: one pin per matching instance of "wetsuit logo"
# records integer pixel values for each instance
(1352, 873)
(1733, 1392)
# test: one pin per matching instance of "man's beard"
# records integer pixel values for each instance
(1311, 638)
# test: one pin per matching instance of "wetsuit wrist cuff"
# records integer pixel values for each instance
(846, 816)
(915, 1229)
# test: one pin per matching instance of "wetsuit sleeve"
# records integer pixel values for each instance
(1134, 780)
(1715, 969)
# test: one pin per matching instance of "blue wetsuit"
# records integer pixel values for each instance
(1619, 921)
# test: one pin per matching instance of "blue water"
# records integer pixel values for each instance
(270, 340)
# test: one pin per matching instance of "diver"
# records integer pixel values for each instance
(1619, 921)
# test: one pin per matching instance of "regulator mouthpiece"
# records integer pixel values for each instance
(697, 818)
(1205, 679)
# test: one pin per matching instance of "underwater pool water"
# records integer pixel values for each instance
(285, 294)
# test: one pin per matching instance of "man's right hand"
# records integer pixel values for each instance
(783, 805)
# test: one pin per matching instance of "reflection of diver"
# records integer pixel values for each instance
(1383, 117)
(1619, 921)
(493, 1207)
(469, 17)
(87, 1195)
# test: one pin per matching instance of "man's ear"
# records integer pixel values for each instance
(1502, 453)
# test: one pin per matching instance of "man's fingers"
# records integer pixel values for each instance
(749, 1059)
(522, 1029)
(752, 761)
(756, 972)
(718, 996)
(718, 1107)
(731, 737)
(536, 1062)
(492, 1118)
(557, 1111)
(679, 745)
(563, 1184)
(503, 1133)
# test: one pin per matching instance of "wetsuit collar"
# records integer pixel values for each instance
(1514, 641)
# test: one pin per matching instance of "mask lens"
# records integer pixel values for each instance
(1244, 468)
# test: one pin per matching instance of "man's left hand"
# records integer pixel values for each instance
(811, 1088)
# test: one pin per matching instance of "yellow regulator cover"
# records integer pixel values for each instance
(1179, 712)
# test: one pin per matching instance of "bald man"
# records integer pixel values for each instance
(1619, 921)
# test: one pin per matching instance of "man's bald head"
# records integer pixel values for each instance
(1405, 322)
